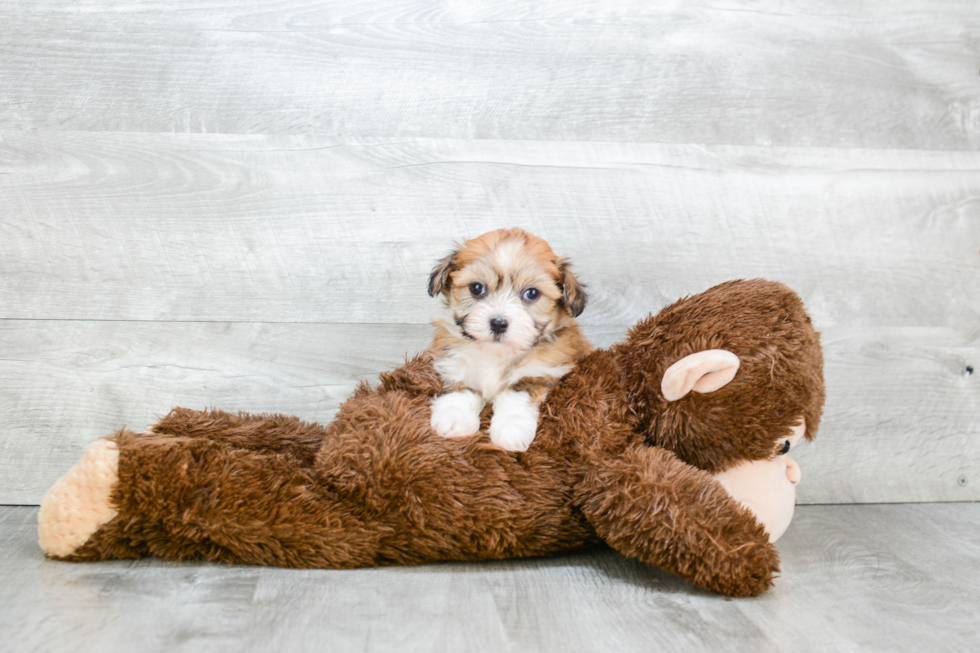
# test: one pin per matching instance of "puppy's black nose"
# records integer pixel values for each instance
(498, 325)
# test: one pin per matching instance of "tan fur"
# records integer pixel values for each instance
(612, 461)
(78, 504)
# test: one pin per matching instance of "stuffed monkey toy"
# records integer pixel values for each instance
(671, 447)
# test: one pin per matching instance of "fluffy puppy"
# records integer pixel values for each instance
(506, 334)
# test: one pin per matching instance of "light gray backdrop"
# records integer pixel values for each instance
(237, 204)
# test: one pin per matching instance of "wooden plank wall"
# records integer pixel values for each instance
(237, 203)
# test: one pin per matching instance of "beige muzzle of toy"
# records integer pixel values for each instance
(766, 487)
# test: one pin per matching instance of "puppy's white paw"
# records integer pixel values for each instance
(457, 414)
(514, 422)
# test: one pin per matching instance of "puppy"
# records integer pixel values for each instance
(506, 334)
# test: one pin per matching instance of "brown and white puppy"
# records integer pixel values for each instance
(506, 334)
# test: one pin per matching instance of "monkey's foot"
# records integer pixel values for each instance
(78, 503)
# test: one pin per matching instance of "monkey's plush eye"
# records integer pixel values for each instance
(477, 289)
(784, 449)
(531, 294)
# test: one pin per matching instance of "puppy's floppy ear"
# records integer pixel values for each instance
(440, 274)
(573, 292)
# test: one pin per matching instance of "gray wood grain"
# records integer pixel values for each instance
(231, 228)
(829, 73)
(900, 423)
(889, 578)
(901, 420)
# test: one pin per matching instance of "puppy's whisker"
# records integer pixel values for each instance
(460, 321)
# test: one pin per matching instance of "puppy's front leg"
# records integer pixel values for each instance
(515, 414)
(515, 420)
(457, 414)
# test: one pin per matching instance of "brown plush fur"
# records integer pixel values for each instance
(781, 373)
(611, 461)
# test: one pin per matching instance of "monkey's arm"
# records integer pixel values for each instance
(649, 505)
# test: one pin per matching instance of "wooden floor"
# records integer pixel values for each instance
(899, 577)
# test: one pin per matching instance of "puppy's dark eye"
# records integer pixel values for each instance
(531, 294)
(784, 449)
(477, 289)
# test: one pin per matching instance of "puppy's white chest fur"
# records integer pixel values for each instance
(490, 370)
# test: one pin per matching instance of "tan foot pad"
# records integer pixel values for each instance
(78, 503)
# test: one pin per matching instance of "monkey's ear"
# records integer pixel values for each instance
(440, 274)
(573, 292)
